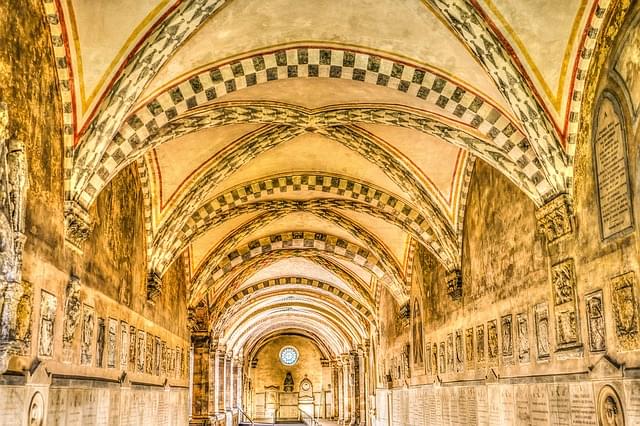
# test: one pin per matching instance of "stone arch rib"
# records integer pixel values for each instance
(472, 29)
(302, 62)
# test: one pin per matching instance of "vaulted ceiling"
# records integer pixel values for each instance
(303, 148)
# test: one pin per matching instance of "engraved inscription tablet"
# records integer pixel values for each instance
(612, 173)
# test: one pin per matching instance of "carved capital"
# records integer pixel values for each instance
(154, 286)
(555, 218)
(77, 224)
(454, 284)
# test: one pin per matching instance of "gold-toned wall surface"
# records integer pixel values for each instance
(270, 373)
(83, 315)
(546, 332)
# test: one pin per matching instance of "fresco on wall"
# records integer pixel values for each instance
(628, 64)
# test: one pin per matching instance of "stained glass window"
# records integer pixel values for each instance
(288, 355)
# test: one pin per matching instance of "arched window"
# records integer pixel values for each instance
(288, 355)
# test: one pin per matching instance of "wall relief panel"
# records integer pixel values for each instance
(72, 312)
(625, 310)
(100, 341)
(48, 306)
(595, 321)
(468, 340)
(88, 325)
(543, 345)
(140, 352)
(563, 278)
(480, 343)
(459, 351)
(450, 350)
(124, 345)
(492, 339)
(507, 336)
(111, 342)
(522, 325)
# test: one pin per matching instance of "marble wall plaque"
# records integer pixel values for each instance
(495, 405)
(124, 345)
(157, 356)
(582, 400)
(480, 343)
(507, 335)
(632, 407)
(611, 170)
(559, 405)
(541, 312)
(539, 404)
(11, 404)
(445, 395)
(492, 339)
(48, 306)
(508, 410)
(595, 321)
(89, 406)
(140, 352)
(471, 418)
(523, 410)
(482, 398)
(74, 407)
(57, 409)
(88, 325)
(522, 330)
(111, 342)
(625, 309)
(100, 341)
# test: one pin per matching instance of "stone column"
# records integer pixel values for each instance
(340, 391)
(346, 389)
(200, 398)
(228, 382)
(335, 388)
(354, 388)
(362, 384)
(238, 403)
(219, 360)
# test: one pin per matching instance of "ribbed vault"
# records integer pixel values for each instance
(298, 170)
